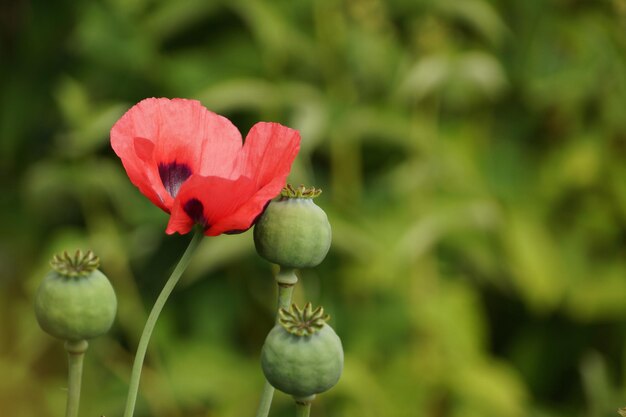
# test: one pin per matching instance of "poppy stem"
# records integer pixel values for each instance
(75, 355)
(303, 409)
(152, 319)
(285, 279)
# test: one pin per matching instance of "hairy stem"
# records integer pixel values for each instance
(75, 355)
(303, 409)
(152, 319)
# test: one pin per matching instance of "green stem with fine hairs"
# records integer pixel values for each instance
(284, 294)
(285, 279)
(152, 319)
(266, 400)
(303, 409)
(75, 355)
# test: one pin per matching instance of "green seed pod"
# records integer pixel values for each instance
(75, 301)
(293, 231)
(302, 355)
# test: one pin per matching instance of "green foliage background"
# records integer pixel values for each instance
(473, 159)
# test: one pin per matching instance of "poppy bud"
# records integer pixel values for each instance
(293, 231)
(75, 301)
(302, 355)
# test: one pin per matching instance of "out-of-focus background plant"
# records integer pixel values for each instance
(473, 159)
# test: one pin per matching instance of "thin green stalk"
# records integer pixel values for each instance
(303, 409)
(285, 279)
(75, 355)
(284, 297)
(266, 400)
(152, 319)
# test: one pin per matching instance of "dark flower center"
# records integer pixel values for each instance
(173, 175)
(195, 210)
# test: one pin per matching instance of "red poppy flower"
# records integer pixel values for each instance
(191, 163)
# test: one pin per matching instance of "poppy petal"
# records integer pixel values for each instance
(137, 159)
(267, 155)
(191, 163)
(268, 152)
(245, 216)
(161, 142)
(206, 201)
(192, 135)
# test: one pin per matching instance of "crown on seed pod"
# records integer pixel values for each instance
(79, 265)
(303, 322)
(289, 191)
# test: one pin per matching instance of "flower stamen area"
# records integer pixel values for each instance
(195, 210)
(173, 175)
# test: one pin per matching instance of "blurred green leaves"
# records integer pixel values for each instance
(472, 159)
